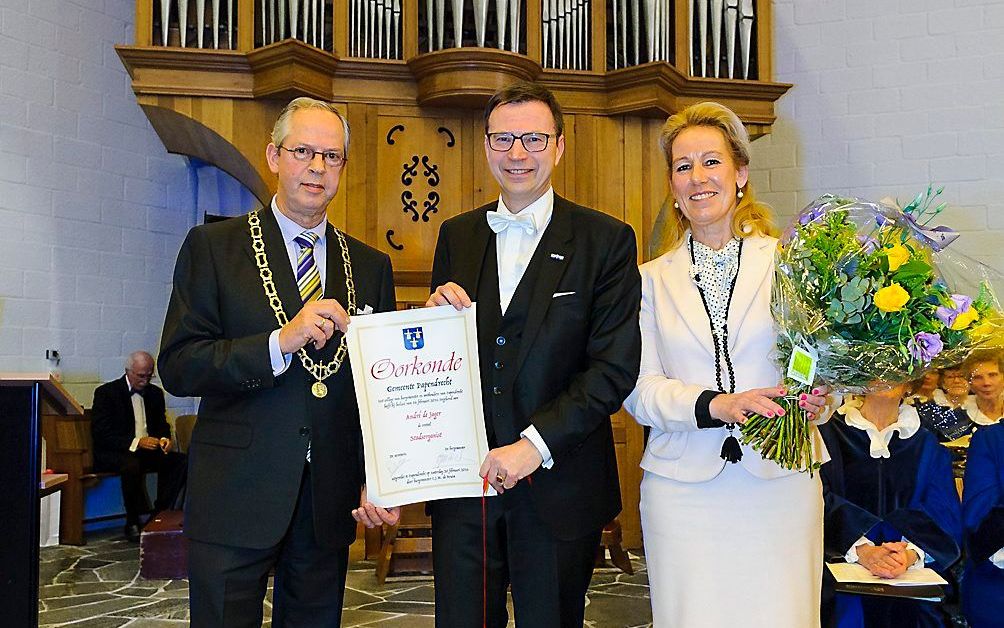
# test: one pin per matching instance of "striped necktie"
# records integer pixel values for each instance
(308, 279)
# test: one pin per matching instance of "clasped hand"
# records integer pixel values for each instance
(372, 516)
(889, 560)
(315, 323)
(449, 294)
(735, 407)
(152, 443)
(505, 466)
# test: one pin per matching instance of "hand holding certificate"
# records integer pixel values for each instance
(417, 382)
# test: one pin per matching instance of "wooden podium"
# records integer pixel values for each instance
(23, 398)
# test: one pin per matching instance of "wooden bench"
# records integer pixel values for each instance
(69, 450)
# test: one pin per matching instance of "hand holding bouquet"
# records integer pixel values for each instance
(865, 293)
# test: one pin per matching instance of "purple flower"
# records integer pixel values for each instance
(947, 315)
(811, 214)
(868, 243)
(924, 346)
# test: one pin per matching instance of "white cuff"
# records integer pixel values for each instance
(280, 361)
(852, 554)
(532, 435)
(998, 559)
(135, 444)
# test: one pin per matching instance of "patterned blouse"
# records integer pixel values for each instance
(713, 271)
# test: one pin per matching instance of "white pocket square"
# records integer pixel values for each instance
(367, 309)
(562, 294)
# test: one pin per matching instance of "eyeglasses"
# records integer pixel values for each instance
(332, 159)
(532, 142)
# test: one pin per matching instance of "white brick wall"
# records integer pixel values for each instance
(888, 96)
(92, 208)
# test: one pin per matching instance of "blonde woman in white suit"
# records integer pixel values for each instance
(726, 544)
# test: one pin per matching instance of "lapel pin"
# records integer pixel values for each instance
(558, 257)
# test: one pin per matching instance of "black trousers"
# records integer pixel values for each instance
(133, 466)
(227, 584)
(549, 577)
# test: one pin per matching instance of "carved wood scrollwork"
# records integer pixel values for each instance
(413, 170)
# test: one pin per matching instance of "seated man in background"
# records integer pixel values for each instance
(132, 437)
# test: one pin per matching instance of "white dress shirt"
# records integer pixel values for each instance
(906, 425)
(139, 416)
(514, 248)
(290, 230)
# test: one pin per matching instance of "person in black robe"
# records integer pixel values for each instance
(944, 414)
(890, 505)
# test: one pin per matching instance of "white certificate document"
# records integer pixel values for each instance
(418, 385)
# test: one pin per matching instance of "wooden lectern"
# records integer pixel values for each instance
(23, 398)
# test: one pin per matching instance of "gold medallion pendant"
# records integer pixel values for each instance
(319, 390)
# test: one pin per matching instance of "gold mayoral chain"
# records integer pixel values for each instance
(319, 370)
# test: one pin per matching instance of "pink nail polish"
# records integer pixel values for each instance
(781, 413)
(804, 397)
(815, 391)
(770, 415)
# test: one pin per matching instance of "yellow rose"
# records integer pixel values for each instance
(892, 298)
(897, 254)
(965, 319)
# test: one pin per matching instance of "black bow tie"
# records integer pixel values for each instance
(136, 391)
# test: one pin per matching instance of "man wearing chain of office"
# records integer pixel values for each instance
(255, 328)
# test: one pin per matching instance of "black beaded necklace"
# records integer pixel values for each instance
(730, 448)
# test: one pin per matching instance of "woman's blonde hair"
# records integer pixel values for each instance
(751, 217)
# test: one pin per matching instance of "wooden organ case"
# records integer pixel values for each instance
(412, 76)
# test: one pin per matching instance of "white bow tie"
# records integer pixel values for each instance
(500, 221)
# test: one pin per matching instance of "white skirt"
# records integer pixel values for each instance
(734, 551)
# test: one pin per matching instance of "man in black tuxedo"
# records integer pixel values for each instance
(131, 437)
(275, 466)
(558, 295)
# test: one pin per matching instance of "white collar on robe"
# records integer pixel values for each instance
(939, 397)
(975, 414)
(906, 424)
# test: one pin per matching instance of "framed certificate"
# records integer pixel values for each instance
(418, 385)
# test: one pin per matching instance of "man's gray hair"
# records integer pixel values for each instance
(135, 356)
(281, 128)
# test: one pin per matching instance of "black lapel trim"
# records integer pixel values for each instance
(471, 255)
(550, 260)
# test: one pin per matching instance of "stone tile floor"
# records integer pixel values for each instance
(98, 586)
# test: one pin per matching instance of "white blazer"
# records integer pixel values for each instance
(678, 362)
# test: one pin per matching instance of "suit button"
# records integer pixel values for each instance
(500, 340)
(496, 391)
(498, 365)
(304, 431)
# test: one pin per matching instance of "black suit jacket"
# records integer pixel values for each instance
(250, 441)
(113, 426)
(579, 354)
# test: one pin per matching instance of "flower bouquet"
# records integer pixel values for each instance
(864, 293)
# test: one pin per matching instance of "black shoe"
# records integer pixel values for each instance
(132, 533)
